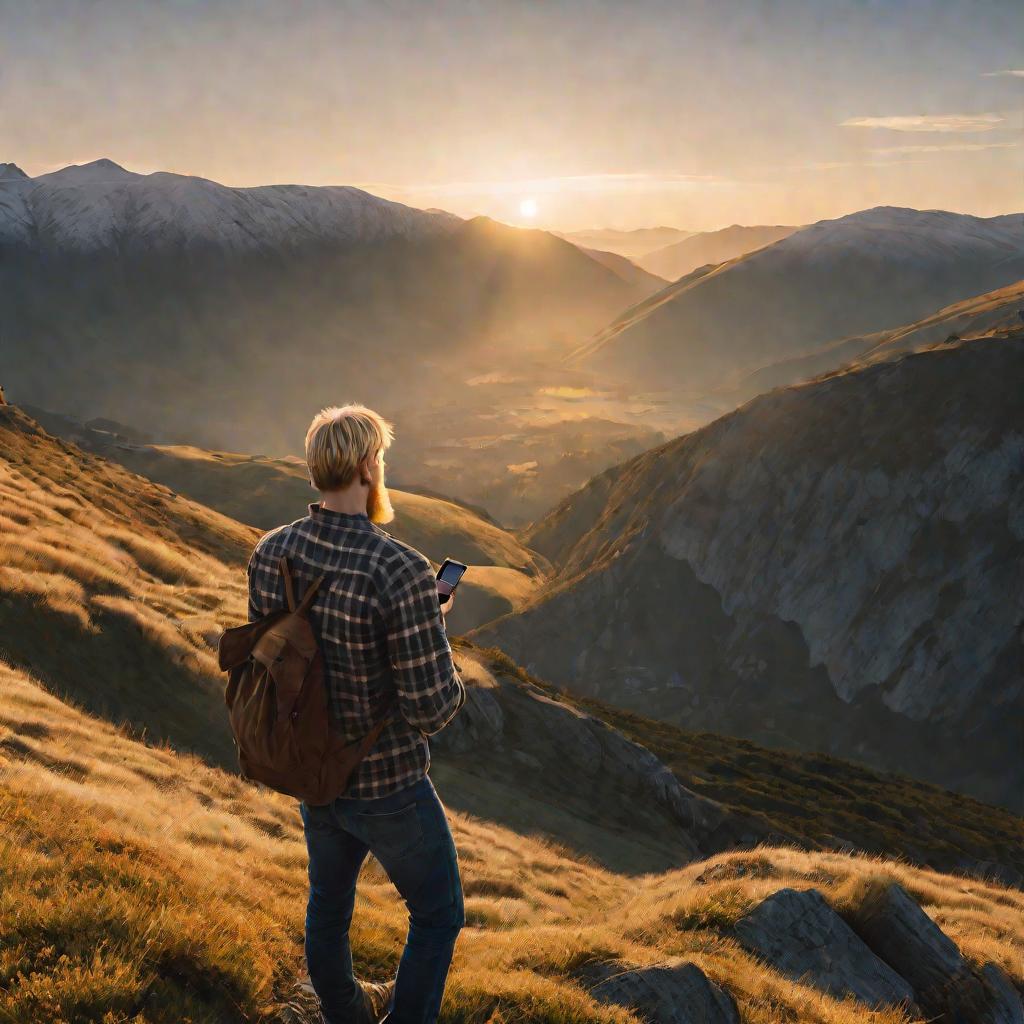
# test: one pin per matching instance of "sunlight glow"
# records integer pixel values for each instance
(528, 208)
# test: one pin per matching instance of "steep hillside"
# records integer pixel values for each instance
(996, 313)
(645, 281)
(832, 567)
(680, 258)
(859, 274)
(113, 589)
(809, 800)
(267, 492)
(198, 309)
(121, 865)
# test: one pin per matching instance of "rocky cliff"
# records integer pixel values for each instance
(836, 566)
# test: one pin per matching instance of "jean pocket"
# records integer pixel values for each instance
(392, 833)
(318, 818)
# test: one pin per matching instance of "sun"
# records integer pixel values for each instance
(528, 208)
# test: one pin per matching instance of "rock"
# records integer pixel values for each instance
(803, 937)
(481, 721)
(992, 871)
(597, 749)
(675, 992)
(946, 987)
(528, 759)
(1005, 1004)
(839, 844)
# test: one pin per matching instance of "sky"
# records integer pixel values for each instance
(566, 114)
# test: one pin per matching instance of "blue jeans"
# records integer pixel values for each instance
(408, 833)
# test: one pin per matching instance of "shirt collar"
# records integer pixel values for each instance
(357, 520)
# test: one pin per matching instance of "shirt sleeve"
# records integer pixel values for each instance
(429, 689)
(262, 587)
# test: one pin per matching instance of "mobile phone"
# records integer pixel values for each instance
(448, 577)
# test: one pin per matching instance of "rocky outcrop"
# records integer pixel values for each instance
(893, 955)
(947, 989)
(1004, 1004)
(513, 726)
(675, 992)
(805, 939)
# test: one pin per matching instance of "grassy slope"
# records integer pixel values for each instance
(120, 899)
(266, 492)
(822, 800)
(134, 582)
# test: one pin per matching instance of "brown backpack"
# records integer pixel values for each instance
(277, 704)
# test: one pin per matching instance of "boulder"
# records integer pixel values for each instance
(1005, 1005)
(947, 988)
(800, 935)
(674, 992)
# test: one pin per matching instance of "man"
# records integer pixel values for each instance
(381, 629)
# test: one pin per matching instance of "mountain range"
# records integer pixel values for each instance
(686, 255)
(206, 296)
(632, 244)
(190, 307)
(867, 272)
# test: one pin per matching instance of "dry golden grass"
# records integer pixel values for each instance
(136, 582)
(137, 884)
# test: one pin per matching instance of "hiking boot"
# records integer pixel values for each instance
(376, 1000)
(302, 1007)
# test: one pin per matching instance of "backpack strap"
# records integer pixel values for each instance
(289, 587)
(309, 595)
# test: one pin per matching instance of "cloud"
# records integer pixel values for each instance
(1009, 73)
(837, 165)
(965, 147)
(928, 122)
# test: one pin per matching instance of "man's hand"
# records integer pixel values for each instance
(446, 598)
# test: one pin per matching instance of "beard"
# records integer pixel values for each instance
(378, 504)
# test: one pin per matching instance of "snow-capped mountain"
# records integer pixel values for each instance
(94, 206)
(869, 271)
(912, 236)
(188, 306)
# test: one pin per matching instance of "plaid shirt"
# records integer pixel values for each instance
(380, 630)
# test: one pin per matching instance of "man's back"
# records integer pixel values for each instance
(379, 627)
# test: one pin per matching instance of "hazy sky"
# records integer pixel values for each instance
(633, 113)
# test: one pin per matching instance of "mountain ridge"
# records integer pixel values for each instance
(83, 207)
(682, 257)
(868, 271)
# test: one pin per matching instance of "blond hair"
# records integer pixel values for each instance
(339, 438)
